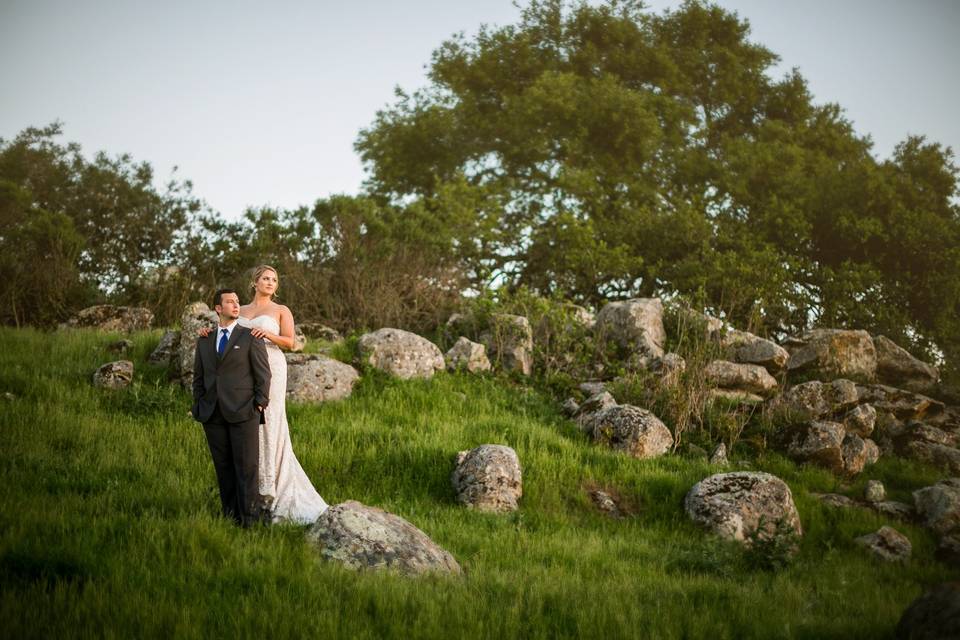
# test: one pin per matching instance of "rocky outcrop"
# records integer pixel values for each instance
(400, 353)
(747, 348)
(750, 378)
(744, 506)
(936, 447)
(817, 399)
(938, 506)
(509, 340)
(467, 355)
(835, 353)
(317, 378)
(194, 317)
(488, 478)
(896, 367)
(817, 442)
(888, 544)
(114, 375)
(632, 430)
(860, 420)
(363, 537)
(107, 317)
(933, 616)
(635, 324)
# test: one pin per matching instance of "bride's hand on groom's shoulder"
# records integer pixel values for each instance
(203, 332)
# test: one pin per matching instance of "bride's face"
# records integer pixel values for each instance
(267, 283)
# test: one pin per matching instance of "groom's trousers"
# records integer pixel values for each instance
(235, 449)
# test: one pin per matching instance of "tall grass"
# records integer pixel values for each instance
(109, 525)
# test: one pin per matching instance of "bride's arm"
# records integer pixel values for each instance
(284, 339)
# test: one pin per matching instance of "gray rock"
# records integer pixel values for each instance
(468, 356)
(902, 404)
(488, 478)
(894, 509)
(820, 400)
(817, 442)
(510, 342)
(400, 353)
(938, 455)
(873, 451)
(861, 420)
(874, 491)
(750, 349)
(570, 407)
(590, 408)
(836, 353)
(733, 396)
(592, 388)
(855, 454)
(751, 378)
(106, 317)
(166, 349)
(605, 503)
(744, 505)
(669, 368)
(933, 616)
(363, 537)
(835, 500)
(299, 339)
(948, 550)
(895, 366)
(318, 331)
(120, 346)
(635, 431)
(888, 544)
(194, 317)
(635, 324)
(114, 375)
(317, 378)
(938, 506)
(719, 455)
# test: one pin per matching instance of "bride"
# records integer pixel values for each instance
(286, 492)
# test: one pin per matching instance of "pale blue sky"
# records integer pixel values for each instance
(260, 103)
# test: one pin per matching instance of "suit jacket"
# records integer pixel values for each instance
(239, 380)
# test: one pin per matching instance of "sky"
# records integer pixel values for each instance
(259, 104)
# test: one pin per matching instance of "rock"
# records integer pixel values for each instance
(887, 544)
(948, 550)
(591, 407)
(120, 347)
(836, 353)
(570, 407)
(605, 502)
(107, 317)
(708, 326)
(114, 375)
(938, 506)
(732, 396)
(467, 355)
(194, 317)
(317, 378)
(635, 324)
(635, 431)
(933, 616)
(669, 368)
(363, 537)
(9, 397)
(694, 452)
(855, 454)
(874, 491)
(166, 349)
(895, 366)
(510, 342)
(820, 400)
(860, 420)
(744, 506)
(894, 509)
(819, 443)
(719, 455)
(747, 348)
(580, 315)
(592, 387)
(835, 500)
(400, 353)
(318, 331)
(937, 455)
(873, 451)
(488, 478)
(751, 378)
(299, 339)
(903, 405)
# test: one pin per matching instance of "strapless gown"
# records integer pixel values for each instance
(285, 490)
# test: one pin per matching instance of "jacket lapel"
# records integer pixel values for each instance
(234, 336)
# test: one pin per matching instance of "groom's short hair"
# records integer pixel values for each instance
(218, 296)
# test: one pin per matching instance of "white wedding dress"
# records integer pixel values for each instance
(285, 490)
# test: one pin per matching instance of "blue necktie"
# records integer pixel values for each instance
(223, 343)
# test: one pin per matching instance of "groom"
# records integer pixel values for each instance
(231, 386)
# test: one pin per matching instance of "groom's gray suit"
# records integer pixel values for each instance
(227, 390)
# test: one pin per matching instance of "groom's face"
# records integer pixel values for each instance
(229, 307)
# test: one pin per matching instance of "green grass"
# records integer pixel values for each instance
(109, 526)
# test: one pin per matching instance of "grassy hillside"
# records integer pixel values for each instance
(109, 526)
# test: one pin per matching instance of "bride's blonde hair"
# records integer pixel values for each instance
(259, 271)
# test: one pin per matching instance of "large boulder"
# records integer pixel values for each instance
(509, 340)
(363, 537)
(901, 404)
(751, 378)
(888, 544)
(895, 366)
(166, 348)
(935, 615)
(195, 316)
(400, 353)
(488, 478)
(114, 375)
(744, 506)
(317, 378)
(835, 353)
(467, 355)
(592, 407)
(107, 317)
(633, 430)
(938, 506)
(635, 324)
(747, 348)
(817, 442)
(817, 399)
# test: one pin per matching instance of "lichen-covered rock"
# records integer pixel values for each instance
(873, 451)
(467, 355)
(835, 353)
(817, 442)
(592, 387)
(719, 455)
(820, 400)
(317, 378)
(363, 537)
(933, 616)
(751, 378)
(888, 544)
(635, 324)
(894, 509)
(733, 396)
(747, 348)
(874, 491)
(635, 431)
(569, 407)
(895, 366)
(901, 404)
(107, 317)
(855, 454)
(114, 375)
(166, 348)
(488, 478)
(668, 368)
(318, 331)
(920, 441)
(938, 506)
(860, 420)
(835, 500)
(194, 317)
(744, 506)
(509, 341)
(592, 407)
(400, 353)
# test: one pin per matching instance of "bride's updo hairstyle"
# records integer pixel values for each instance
(259, 271)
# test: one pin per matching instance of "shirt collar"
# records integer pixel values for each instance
(230, 327)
